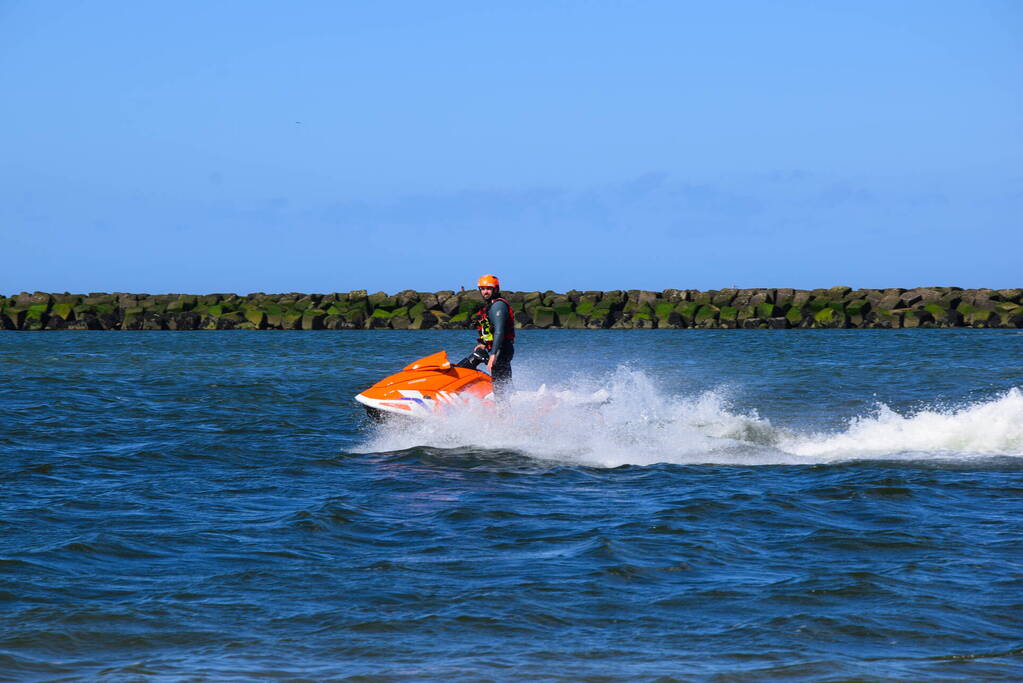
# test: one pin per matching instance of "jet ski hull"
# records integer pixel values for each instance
(426, 387)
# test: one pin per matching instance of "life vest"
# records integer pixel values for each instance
(486, 330)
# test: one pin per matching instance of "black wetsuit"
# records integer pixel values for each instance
(498, 313)
(503, 348)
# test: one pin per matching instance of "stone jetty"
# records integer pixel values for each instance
(837, 307)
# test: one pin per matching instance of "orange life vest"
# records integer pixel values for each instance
(486, 330)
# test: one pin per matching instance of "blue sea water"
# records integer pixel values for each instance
(815, 505)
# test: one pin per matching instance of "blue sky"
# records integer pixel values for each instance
(328, 146)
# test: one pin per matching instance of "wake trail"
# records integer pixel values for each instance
(625, 419)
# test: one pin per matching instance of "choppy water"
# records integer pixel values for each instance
(818, 505)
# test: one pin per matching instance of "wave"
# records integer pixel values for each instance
(992, 427)
(625, 419)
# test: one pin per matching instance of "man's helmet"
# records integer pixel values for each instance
(489, 281)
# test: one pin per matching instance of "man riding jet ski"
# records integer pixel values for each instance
(431, 384)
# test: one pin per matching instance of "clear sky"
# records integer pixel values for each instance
(195, 146)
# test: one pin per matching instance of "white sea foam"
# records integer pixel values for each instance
(625, 419)
(987, 428)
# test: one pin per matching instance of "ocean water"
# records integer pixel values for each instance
(817, 505)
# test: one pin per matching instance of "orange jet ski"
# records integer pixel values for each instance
(426, 387)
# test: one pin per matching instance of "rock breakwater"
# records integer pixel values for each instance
(837, 307)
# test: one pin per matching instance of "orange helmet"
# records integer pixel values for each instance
(489, 281)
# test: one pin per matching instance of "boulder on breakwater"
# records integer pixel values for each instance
(837, 307)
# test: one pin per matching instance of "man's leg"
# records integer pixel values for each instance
(502, 372)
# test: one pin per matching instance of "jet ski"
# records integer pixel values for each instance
(425, 387)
